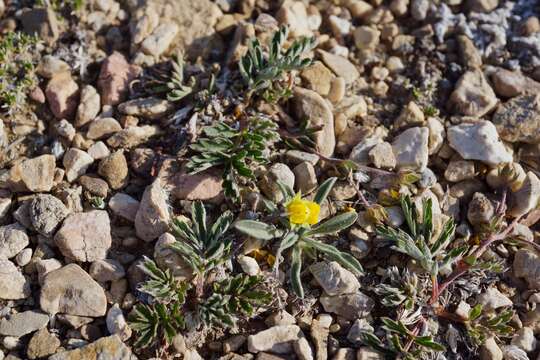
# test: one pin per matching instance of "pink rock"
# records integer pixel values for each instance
(37, 95)
(114, 78)
(62, 93)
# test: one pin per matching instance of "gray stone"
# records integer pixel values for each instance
(278, 172)
(349, 306)
(493, 299)
(151, 107)
(526, 198)
(76, 162)
(46, 213)
(277, 339)
(153, 215)
(85, 236)
(527, 265)
(518, 119)
(106, 270)
(411, 149)
(106, 348)
(472, 96)
(478, 141)
(70, 290)
(42, 22)
(13, 284)
(42, 344)
(124, 206)
(334, 279)
(23, 323)
(13, 239)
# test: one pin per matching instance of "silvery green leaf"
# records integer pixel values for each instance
(324, 189)
(335, 224)
(257, 229)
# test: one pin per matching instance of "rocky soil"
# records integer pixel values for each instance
(435, 99)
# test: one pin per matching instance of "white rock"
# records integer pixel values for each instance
(360, 152)
(160, 40)
(478, 141)
(89, 106)
(106, 270)
(436, 135)
(153, 215)
(249, 265)
(526, 197)
(367, 353)
(277, 339)
(23, 323)
(493, 299)
(167, 258)
(334, 279)
(278, 172)
(527, 265)
(13, 284)
(124, 206)
(99, 150)
(349, 306)
(411, 148)
(76, 162)
(13, 239)
(294, 15)
(490, 350)
(24, 257)
(525, 340)
(117, 324)
(473, 96)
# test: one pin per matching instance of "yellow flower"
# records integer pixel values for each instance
(301, 211)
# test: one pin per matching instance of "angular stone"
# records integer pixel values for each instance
(62, 93)
(76, 162)
(167, 258)
(160, 39)
(349, 306)
(526, 198)
(153, 216)
(527, 265)
(307, 104)
(106, 270)
(89, 106)
(411, 148)
(23, 323)
(36, 174)
(114, 78)
(518, 119)
(492, 299)
(85, 236)
(472, 96)
(102, 128)
(13, 239)
(106, 348)
(150, 107)
(13, 284)
(42, 344)
(277, 339)
(341, 66)
(317, 77)
(124, 206)
(70, 290)
(46, 213)
(334, 279)
(478, 141)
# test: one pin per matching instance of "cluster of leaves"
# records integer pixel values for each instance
(417, 242)
(400, 288)
(59, 5)
(18, 57)
(171, 83)
(400, 342)
(203, 247)
(481, 326)
(222, 303)
(264, 71)
(236, 295)
(303, 239)
(235, 150)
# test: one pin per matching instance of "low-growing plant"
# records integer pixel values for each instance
(171, 82)
(267, 73)
(297, 225)
(18, 57)
(481, 326)
(234, 150)
(401, 342)
(201, 246)
(399, 288)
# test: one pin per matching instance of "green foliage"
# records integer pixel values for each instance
(482, 326)
(172, 82)
(58, 5)
(401, 288)
(400, 342)
(303, 239)
(233, 150)
(18, 57)
(264, 72)
(232, 297)
(201, 246)
(162, 318)
(417, 242)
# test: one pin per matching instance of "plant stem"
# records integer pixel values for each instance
(463, 267)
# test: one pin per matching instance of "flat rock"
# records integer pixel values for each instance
(472, 96)
(153, 216)
(150, 107)
(411, 149)
(85, 236)
(206, 185)
(62, 94)
(13, 284)
(493, 299)
(132, 136)
(106, 348)
(76, 162)
(42, 344)
(13, 239)
(114, 78)
(334, 279)
(89, 106)
(46, 213)
(23, 323)
(124, 206)
(36, 175)
(102, 128)
(518, 119)
(277, 339)
(478, 141)
(70, 290)
(349, 306)
(527, 265)
(307, 104)
(513, 83)
(160, 39)
(341, 66)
